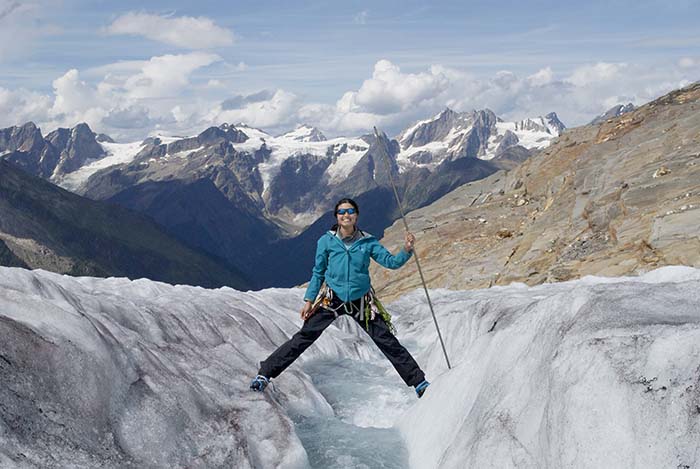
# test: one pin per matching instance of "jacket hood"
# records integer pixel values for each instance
(365, 235)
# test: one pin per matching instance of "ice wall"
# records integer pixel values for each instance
(595, 373)
(119, 373)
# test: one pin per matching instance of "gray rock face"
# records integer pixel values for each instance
(436, 129)
(299, 183)
(26, 138)
(547, 124)
(62, 151)
(104, 138)
(613, 112)
(475, 141)
(509, 139)
(25, 147)
(76, 146)
(224, 133)
(554, 121)
(211, 136)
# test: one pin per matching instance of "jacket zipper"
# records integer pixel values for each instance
(347, 254)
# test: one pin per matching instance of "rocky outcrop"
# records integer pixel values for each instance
(612, 199)
(76, 146)
(104, 138)
(436, 129)
(62, 151)
(613, 112)
(553, 122)
(25, 147)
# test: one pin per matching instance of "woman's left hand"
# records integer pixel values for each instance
(410, 239)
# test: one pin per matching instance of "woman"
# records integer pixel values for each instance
(342, 261)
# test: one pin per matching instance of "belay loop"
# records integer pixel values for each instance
(369, 308)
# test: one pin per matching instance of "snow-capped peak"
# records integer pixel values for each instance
(450, 135)
(406, 134)
(305, 133)
(549, 124)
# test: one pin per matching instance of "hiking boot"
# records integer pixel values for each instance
(420, 388)
(260, 383)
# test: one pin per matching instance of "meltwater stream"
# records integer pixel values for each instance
(366, 399)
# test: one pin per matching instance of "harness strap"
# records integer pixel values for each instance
(350, 307)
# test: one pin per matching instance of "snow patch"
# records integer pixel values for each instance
(117, 153)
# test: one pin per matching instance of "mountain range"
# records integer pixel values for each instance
(256, 200)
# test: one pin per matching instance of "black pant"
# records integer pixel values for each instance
(402, 360)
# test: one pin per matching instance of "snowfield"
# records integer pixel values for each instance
(593, 373)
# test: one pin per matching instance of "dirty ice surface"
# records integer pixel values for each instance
(117, 373)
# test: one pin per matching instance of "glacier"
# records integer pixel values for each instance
(592, 373)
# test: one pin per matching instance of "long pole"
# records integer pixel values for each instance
(415, 254)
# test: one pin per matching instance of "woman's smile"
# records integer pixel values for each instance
(346, 219)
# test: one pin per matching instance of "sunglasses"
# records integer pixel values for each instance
(343, 211)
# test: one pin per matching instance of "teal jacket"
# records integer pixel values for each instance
(346, 270)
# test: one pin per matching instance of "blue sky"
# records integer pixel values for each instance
(133, 68)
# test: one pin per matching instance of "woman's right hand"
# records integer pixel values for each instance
(305, 312)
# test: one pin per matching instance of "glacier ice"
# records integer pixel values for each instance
(590, 373)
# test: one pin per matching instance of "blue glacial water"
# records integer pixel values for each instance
(366, 399)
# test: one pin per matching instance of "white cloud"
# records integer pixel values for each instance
(184, 31)
(131, 99)
(394, 99)
(72, 94)
(172, 93)
(75, 101)
(390, 91)
(131, 117)
(361, 17)
(166, 75)
(269, 110)
(20, 106)
(688, 62)
(542, 77)
(599, 72)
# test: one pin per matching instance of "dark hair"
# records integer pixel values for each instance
(341, 202)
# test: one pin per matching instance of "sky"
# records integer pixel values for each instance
(132, 69)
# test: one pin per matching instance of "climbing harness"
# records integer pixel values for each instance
(369, 307)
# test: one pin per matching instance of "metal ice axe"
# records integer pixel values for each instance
(415, 254)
